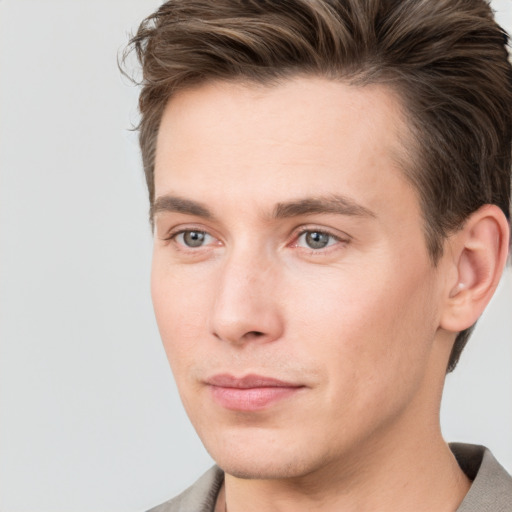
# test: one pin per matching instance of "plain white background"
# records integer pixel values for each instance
(90, 418)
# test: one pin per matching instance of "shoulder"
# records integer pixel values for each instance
(491, 490)
(199, 497)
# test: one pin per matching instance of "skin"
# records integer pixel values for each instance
(364, 325)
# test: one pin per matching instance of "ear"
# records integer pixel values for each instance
(476, 258)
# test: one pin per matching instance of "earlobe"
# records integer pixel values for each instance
(478, 256)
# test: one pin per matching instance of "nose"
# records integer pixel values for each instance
(245, 306)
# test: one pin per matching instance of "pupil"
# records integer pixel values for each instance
(193, 238)
(317, 240)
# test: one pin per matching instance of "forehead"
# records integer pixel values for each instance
(290, 109)
(302, 135)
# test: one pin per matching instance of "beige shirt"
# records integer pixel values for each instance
(491, 490)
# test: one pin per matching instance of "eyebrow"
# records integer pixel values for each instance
(336, 204)
(179, 205)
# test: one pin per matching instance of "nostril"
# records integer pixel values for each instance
(253, 334)
(250, 335)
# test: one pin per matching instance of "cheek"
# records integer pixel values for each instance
(179, 301)
(371, 333)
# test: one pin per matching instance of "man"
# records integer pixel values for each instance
(329, 184)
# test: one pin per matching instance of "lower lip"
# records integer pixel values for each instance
(250, 399)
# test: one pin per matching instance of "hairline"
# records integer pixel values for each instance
(406, 153)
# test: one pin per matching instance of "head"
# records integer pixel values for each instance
(258, 118)
(447, 62)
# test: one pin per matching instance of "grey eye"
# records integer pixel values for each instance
(193, 238)
(316, 239)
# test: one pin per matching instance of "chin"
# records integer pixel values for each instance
(262, 458)
(264, 470)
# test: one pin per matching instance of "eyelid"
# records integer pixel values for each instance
(338, 235)
(183, 228)
(170, 238)
(341, 239)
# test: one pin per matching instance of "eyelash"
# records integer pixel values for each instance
(172, 235)
(296, 237)
(319, 251)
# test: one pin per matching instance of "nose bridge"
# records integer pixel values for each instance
(244, 305)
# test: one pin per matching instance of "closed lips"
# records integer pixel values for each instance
(249, 381)
(251, 393)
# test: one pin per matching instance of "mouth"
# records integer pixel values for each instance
(249, 393)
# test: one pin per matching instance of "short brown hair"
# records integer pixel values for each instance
(447, 60)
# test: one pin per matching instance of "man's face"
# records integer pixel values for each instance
(291, 283)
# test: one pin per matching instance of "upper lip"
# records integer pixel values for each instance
(248, 381)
